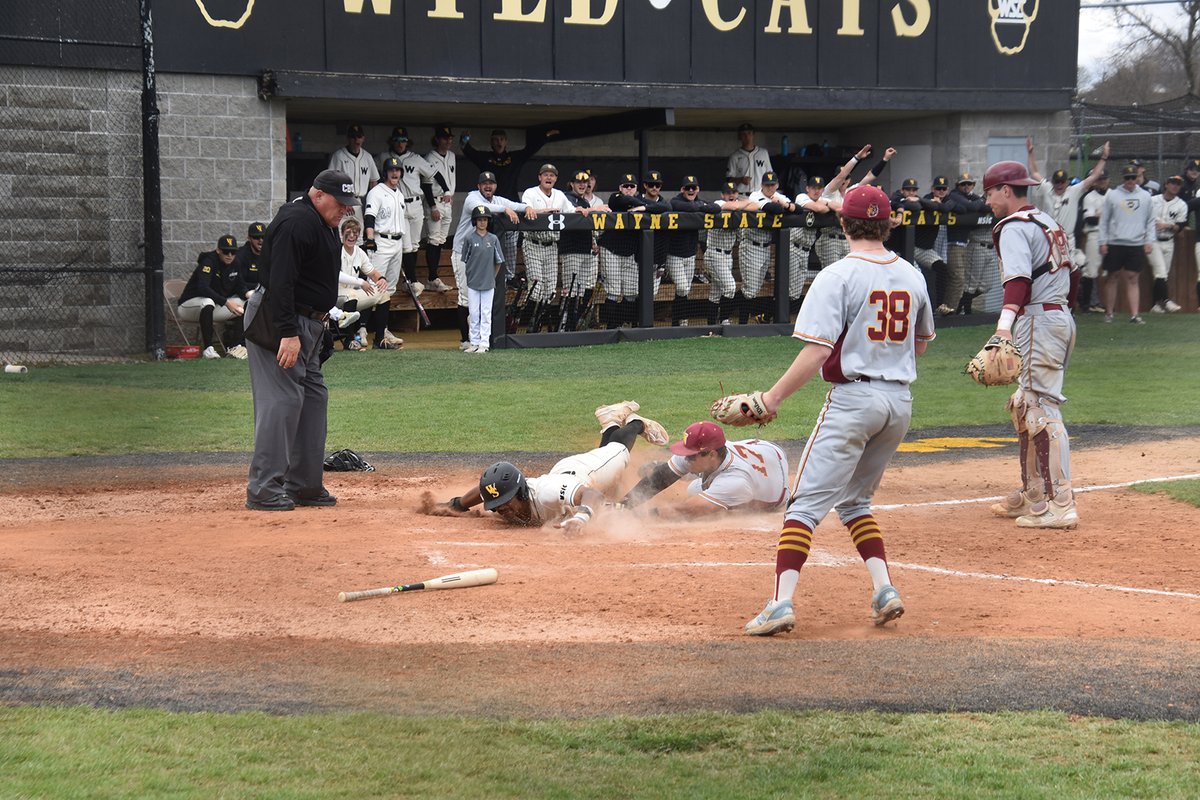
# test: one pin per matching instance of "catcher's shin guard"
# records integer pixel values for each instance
(1047, 464)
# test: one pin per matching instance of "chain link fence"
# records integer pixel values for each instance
(72, 274)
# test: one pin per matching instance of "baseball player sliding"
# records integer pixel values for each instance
(866, 319)
(575, 488)
(750, 475)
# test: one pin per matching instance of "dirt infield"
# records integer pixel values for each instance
(150, 586)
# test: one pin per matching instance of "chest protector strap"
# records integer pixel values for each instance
(1056, 238)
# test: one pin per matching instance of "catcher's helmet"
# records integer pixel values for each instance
(1011, 173)
(500, 483)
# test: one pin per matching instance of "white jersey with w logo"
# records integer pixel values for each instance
(754, 474)
(870, 309)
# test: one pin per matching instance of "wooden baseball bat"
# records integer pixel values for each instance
(458, 580)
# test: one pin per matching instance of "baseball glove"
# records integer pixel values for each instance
(740, 410)
(347, 461)
(997, 364)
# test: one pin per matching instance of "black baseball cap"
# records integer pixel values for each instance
(354, 129)
(581, 175)
(770, 177)
(399, 134)
(729, 186)
(227, 244)
(337, 185)
(816, 180)
(1193, 164)
(940, 182)
(256, 230)
(1059, 176)
(689, 180)
(499, 132)
(629, 178)
(391, 162)
(909, 183)
(965, 177)
(443, 131)
(653, 176)
(745, 126)
(547, 167)
(1130, 171)
(487, 177)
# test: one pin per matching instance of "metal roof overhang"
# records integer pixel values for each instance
(380, 99)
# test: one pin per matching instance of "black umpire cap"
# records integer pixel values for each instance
(256, 230)
(337, 185)
(653, 176)
(227, 244)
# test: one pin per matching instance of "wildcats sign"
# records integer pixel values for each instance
(858, 44)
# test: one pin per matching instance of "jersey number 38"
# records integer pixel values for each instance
(894, 309)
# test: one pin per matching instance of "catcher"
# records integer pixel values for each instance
(866, 319)
(575, 488)
(751, 475)
(1032, 344)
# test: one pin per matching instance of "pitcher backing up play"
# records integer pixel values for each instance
(866, 319)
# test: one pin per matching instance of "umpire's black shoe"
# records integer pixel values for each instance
(280, 502)
(322, 500)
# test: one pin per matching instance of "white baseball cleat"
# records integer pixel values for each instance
(465, 346)
(438, 285)
(348, 319)
(777, 617)
(417, 287)
(615, 414)
(1050, 515)
(1017, 504)
(210, 352)
(1170, 306)
(652, 432)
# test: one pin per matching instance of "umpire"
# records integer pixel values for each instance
(299, 267)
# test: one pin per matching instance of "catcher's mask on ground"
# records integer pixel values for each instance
(500, 483)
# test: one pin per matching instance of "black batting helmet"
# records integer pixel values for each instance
(500, 483)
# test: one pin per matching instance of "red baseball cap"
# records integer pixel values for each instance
(866, 202)
(698, 438)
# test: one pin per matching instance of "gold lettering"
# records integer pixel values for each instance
(598, 221)
(777, 221)
(713, 13)
(937, 218)
(851, 14)
(619, 225)
(637, 222)
(745, 220)
(445, 9)
(725, 215)
(951, 219)
(656, 222)
(708, 222)
(382, 7)
(672, 222)
(762, 217)
(512, 11)
(921, 218)
(918, 26)
(797, 16)
(581, 13)
(906, 219)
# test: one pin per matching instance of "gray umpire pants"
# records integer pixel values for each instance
(290, 408)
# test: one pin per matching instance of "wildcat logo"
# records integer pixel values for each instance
(1133, 204)
(492, 490)
(226, 23)
(1011, 21)
(556, 222)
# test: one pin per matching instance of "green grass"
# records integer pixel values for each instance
(441, 400)
(82, 752)
(1184, 491)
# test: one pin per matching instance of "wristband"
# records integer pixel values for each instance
(1007, 317)
(580, 518)
(584, 511)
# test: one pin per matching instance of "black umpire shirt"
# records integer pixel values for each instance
(299, 265)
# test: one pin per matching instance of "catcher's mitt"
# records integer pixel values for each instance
(997, 364)
(347, 461)
(740, 410)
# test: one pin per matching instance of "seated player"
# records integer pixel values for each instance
(575, 488)
(750, 475)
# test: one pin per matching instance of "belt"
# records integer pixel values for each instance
(389, 236)
(835, 235)
(539, 241)
(760, 244)
(719, 250)
(411, 199)
(305, 311)
(1042, 306)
